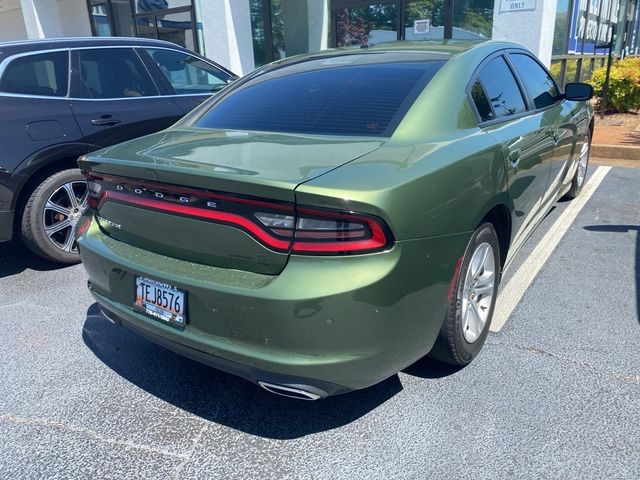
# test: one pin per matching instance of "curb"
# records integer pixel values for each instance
(619, 152)
(614, 162)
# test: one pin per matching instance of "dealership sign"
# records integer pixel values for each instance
(591, 25)
(517, 5)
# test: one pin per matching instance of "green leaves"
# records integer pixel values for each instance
(624, 85)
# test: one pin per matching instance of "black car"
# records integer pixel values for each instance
(64, 98)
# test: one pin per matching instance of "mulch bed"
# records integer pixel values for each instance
(617, 129)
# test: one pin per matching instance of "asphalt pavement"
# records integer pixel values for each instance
(554, 394)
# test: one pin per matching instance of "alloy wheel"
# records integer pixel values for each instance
(477, 292)
(582, 162)
(61, 213)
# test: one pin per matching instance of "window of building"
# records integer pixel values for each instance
(188, 74)
(354, 20)
(42, 74)
(111, 18)
(368, 24)
(561, 29)
(282, 28)
(424, 20)
(113, 73)
(333, 100)
(502, 89)
(472, 19)
(143, 6)
(540, 86)
(101, 18)
(256, 8)
(171, 20)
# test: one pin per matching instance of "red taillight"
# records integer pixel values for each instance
(95, 191)
(279, 226)
(334, 232)
(316, 231)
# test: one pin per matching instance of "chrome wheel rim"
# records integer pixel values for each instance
(61, 213)
(477, 292)
(582, 163)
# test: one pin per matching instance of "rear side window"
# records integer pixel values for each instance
(482, 102)
(539, 84)
(368, 99)
(113, 73)
(41, 74)
(501, 87)
(188, 74)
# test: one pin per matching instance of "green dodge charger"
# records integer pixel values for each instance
(331, 218)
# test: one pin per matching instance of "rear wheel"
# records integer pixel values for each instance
(50, 216)
(471, 306)
(581, 172)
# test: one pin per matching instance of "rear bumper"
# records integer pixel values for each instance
(320, 388)
(6, 225)
(330, 323)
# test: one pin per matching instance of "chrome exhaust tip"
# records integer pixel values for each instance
(299, 392)
(106, 314)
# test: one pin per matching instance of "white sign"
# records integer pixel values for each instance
(517, 5)
(421, 26)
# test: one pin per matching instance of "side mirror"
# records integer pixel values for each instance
(544, 100)
(578, 91)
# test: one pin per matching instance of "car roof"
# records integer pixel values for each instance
(19, 46)
(405, 50)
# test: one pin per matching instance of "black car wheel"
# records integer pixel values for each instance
(50, 216)
(472, 302)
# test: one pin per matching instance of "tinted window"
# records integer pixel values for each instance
(503, 91)
(342, 100)
(482, 102)
(188, 74)
(540, 86)
(41, 74)
(113, 73)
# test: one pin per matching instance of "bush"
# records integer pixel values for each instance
(624, 85)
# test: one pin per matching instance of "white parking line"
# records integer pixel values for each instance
(513, 291)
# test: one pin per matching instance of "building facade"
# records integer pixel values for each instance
(573, 36)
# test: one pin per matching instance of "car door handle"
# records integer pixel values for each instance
(514, 157)
(553, 133)
(106, 121)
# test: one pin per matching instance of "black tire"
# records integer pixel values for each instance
(451, 345)
(34, 216)
(577, 182)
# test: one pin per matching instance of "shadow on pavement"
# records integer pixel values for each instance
(427, 368)
(16, 258)
(624, 229)
(226, 399)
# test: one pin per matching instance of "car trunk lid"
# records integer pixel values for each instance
(192, 193)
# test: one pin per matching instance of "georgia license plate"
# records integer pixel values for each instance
(160, 300)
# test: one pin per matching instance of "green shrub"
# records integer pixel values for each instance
(624, 85)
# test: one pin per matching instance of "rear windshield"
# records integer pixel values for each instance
(343, 100)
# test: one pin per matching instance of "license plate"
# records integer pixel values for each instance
(160, 300)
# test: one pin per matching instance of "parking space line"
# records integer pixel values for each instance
(515, 288)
